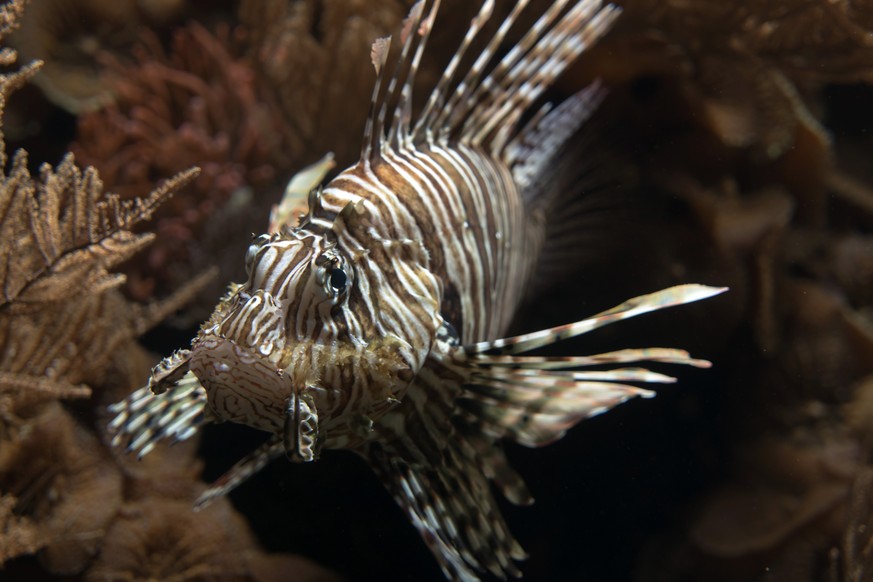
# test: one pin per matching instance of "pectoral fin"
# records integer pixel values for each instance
(451, 505)
(241, 471)
(534, 400)
(143, 419)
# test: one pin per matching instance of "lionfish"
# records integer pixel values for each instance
(375, 325)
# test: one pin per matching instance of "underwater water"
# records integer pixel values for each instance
(732, 149)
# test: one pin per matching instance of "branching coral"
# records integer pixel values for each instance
(61, 318)
(162, 539)
(65, 483)
(66, 331)
(62, 323)
(250, 105)
(193, 105)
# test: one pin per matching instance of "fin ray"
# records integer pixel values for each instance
(271, 449)
(437, 98)
(144, 419)
(534, 400)
(514, 87)
(452, 507)
(672, 296)
(372, 144)
(540, 416)
(533, 149)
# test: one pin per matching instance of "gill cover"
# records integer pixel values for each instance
(393, 283)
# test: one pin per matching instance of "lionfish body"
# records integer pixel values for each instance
(374, 324)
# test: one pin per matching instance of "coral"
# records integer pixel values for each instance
(250, 105)
(66, 331)
(162, 539)
(61, 318)
(69, 36)
(18, 535)
(195, 105)
(300, 50)
(65, 483)
(752, 173)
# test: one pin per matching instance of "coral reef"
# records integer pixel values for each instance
(69, 36)
(230, 101)
(67, 332)
(741, 132)
(65, 483)
(193, 105)
(162, 539)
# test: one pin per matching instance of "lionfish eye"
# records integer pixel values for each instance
(333, 274)
(338, 279)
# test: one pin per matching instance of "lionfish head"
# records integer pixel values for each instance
(311, 346)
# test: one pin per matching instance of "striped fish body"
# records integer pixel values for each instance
(375, 324)
(460, 206)
(424, 239)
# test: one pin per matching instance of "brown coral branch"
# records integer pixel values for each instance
(65, 483)
(34, 385)
(61, 323)
(18, 535)
(153, 313)
(76, 231)
(192, 104)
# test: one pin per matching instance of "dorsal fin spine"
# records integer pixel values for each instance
(461, 100)
(409, 37)
(370, 151)
(399, 134)
(488, 87)
(554, 47)
(483, 112)
(437, 98)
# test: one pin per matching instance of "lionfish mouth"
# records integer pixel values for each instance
(238, 362)
(241, 385)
